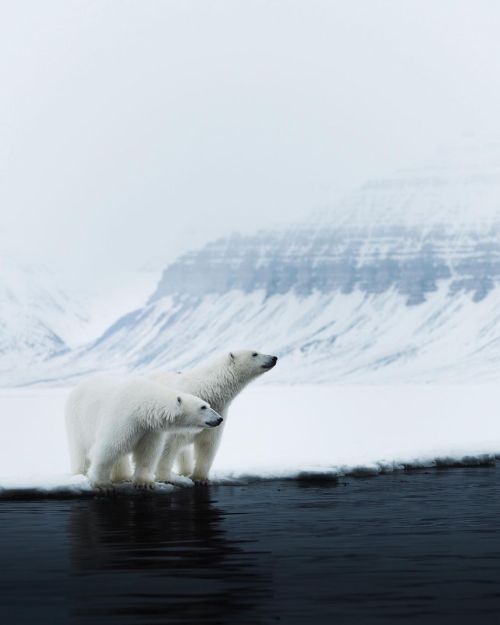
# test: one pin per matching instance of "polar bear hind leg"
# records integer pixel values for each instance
(78, 458)
(103, 458)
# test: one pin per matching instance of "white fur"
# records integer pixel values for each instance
(217, 382)
(109, 418)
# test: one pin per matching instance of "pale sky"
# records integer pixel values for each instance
(132, 130)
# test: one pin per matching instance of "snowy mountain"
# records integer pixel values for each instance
(42, 317)
(37, 317)
(398, 283)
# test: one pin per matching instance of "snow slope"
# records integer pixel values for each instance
(283, 432)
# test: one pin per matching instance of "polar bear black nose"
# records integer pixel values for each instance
(275, 359)
(215, 422)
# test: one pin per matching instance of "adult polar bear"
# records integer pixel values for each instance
(109, 418)
(218, 382)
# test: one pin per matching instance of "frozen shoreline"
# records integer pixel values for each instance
(282, 432)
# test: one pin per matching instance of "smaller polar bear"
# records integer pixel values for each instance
(108, 418)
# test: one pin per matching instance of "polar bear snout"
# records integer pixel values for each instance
(214, 419)
(270, 363)
(215, 422)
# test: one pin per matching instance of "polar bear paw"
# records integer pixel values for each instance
(144, 485)
(144, 482)
(100, 483)
(104, 489)
(200, 480)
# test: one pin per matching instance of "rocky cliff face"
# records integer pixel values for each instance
(407, 233)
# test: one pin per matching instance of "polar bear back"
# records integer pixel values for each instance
(107, 401)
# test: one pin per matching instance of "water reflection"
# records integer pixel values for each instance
(163, 559)
(370, 551)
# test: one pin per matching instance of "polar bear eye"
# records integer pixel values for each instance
(254, 355)
(203, 407)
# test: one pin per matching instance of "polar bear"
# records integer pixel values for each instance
(218, 382)
(109, 418)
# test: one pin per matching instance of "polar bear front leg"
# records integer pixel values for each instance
(122, 471)
(173, 445)
(146, 455)
(185, 461)
(206, 444)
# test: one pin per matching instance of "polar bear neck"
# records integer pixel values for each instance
(155, 407)
(215, 382)
(155, 414)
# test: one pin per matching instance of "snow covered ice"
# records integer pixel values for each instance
(282, 432)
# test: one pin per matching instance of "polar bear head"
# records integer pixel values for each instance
(247, 364)
(194, 413)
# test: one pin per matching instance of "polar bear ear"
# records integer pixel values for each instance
(179, 400)
(231, 355)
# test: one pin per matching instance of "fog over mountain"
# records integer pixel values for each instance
(398, 282)
(136, 129)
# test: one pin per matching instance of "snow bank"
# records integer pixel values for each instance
(296, 432)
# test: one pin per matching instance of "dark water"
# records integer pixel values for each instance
(417, 548)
